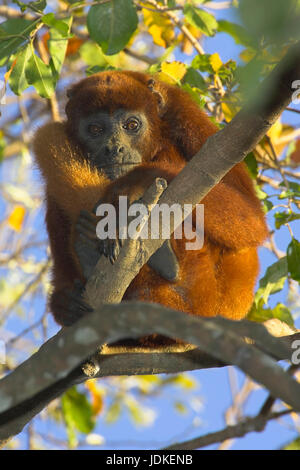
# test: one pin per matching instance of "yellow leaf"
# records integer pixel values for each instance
(97, 398)
(172, 72)
(160, 28)
(281, 135)
(283, 138)
(216, 62)
(275, 131)
(229, 111)
(15, 220)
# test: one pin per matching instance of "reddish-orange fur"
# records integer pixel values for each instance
(218, 279)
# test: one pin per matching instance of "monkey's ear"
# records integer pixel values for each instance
(151, 84)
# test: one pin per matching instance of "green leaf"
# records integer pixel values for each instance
(200, 19)
(227, 71)
(112, 24)
(17, 79)
(77, 411)
(267, 205)
(40, 76)
(202, 62)
(97, 68)
(37, 6)
(283, 313)
(282, 218)
(92, 54)
(260, 314)
(236, 31)
(58, 44)
(251, 163)
(293, 190)
(13, 34)
(195, 79)
(293, 259)
(194, 94)
(273, 281)
(289, 194)
(260, 193)
(292, 185)
(60, 25)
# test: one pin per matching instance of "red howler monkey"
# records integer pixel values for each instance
(123, 130)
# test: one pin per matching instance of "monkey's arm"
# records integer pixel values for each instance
(69, 179)
(59, 228)
(65, 300)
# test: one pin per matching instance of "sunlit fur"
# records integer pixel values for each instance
(219, 279)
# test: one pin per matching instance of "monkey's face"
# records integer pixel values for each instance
(114, 142)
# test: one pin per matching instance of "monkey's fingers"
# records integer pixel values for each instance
(89, 231)
(111, 249)
(89, 217)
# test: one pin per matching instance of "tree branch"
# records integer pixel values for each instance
(57, 365)
(256, 424)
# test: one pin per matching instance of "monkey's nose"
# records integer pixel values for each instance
(113, 149)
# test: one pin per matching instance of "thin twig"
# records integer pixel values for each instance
(256, 424)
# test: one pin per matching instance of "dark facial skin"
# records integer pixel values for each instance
(112, 142)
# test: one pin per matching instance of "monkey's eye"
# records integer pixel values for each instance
(132, 124)
(95, 129)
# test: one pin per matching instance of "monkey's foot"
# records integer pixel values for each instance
(68, 305)
(164, 261)
(111, 248)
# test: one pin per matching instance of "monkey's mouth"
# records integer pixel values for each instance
(116, 165)
(115, 170)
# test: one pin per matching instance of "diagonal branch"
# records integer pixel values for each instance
(218, 155)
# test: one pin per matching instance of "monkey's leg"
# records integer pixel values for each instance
(236, 280)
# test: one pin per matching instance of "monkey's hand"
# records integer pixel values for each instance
(163, 261)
